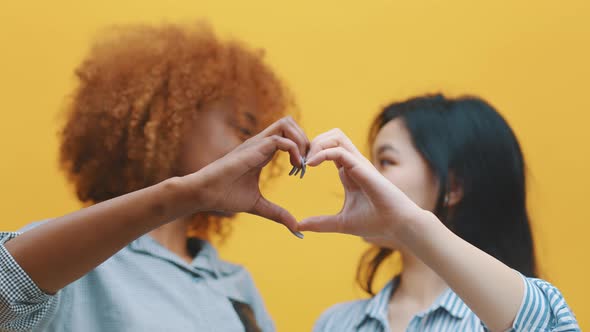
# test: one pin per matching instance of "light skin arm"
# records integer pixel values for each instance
(376, 208)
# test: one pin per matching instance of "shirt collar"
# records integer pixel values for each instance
(377, 307)
(207, 259)
(451, 303)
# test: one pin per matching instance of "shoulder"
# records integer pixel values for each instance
(342, 316)
(544, 307)
(33, 225)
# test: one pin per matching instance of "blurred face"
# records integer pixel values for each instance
(395, 156)
(211, 135)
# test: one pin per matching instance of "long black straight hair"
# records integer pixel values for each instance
(467, 137)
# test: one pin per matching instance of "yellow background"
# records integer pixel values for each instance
(343, 61)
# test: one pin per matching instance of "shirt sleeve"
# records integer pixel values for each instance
(543, 308)
(23, 306)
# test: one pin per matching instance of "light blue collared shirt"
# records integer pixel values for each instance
(144, 287)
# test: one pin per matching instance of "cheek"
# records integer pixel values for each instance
(405, 180)
(222, 145)
(415, 185)
(198, 154)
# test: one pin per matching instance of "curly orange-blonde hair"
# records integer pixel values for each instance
(137, 87)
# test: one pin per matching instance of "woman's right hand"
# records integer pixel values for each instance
(65, 249)
(374, 208)
(231, 184)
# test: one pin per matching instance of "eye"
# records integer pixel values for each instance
(386, 162)
(245, 132)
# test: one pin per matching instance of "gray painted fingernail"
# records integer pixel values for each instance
(303, 170)
(303, 167)
(298, 234)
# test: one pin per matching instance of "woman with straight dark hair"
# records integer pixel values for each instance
(446, 188)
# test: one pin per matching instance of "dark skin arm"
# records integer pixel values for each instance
(61, 251)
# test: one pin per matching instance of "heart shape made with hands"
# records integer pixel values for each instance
(371, 205)
(333, 146)
(371, 201)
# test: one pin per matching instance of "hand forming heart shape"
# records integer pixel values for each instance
(373, 206)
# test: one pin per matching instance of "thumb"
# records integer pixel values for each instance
(321, 224)
(269, 210)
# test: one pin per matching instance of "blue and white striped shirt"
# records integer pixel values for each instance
(543, 309)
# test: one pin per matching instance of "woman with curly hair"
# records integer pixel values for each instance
(150, 142)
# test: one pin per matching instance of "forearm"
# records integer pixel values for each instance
(63, 250)
(491, 289)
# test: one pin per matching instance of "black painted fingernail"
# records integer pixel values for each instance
(293, 170)
(297, 172)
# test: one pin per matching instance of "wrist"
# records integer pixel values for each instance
(416, 231)
(185, 194)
